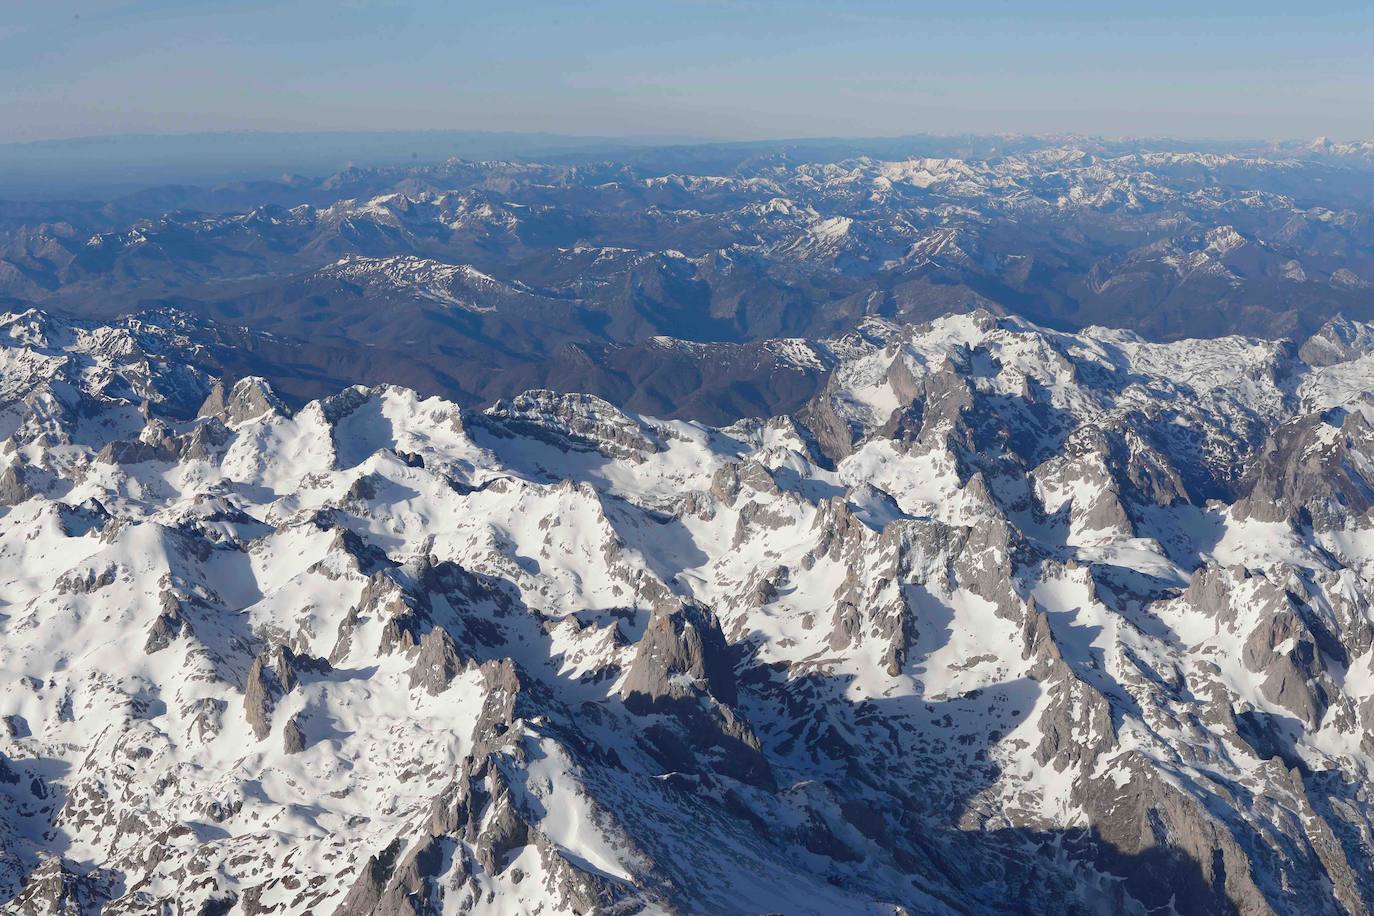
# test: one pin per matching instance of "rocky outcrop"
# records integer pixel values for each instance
(437, 662)
(1169, 847)
(476, 826)
(249, 399)
(59, 887)
(1076, 725)
(168, 626)
(293, 735)
(1314, 471)
(682, 669)
(572, 421)
(14, 488)
(1284, 653)
(273, 674)
(1339, 340)
(681, 655)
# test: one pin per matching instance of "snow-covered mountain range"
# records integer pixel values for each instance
(476, 281)
(1001, 620)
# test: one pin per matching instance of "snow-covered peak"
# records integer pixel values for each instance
(382, 652)
(459, 285)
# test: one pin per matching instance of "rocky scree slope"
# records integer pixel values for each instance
(1005, 620)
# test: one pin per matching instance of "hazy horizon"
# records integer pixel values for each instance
(118, 164)
(746, 70)
(651, 139)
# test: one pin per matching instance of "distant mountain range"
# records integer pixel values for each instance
(477, 280)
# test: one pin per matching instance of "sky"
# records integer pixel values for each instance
(719, 69)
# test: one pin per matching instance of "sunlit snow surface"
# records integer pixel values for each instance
(881, 608)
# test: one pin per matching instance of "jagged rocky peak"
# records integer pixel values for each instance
(574, 421)
(437, 662)
(273, 674)
(682, 654)
(1339, 340)
(33, 328)
(248, 399)
(1316, 470)
(14, 488)
(1069, 623)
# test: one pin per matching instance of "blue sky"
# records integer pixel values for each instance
(703, 68)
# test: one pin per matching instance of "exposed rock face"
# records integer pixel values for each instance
(1282, 651)
(7, 772)
(293, 737)
(1059, 623)
(477, 827)
(171, 624)
(681, 655)
(13, 489)
(59, 888)
(138, 451)
(1316, 471)
(682, 669)
(572, 421)
(1340, 340)
(437, 662)
(273, 674)
(1076, 727)
(249, 399)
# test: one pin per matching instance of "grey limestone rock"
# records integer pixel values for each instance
(682, 653)
(249, 399)
(1310, 472)
(273, 674)
(14, 488)
(1339, 340)
(573, 421)
(437, 662)
(1283, 650)
(293, 736)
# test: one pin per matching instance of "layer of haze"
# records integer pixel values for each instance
(703, 68)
